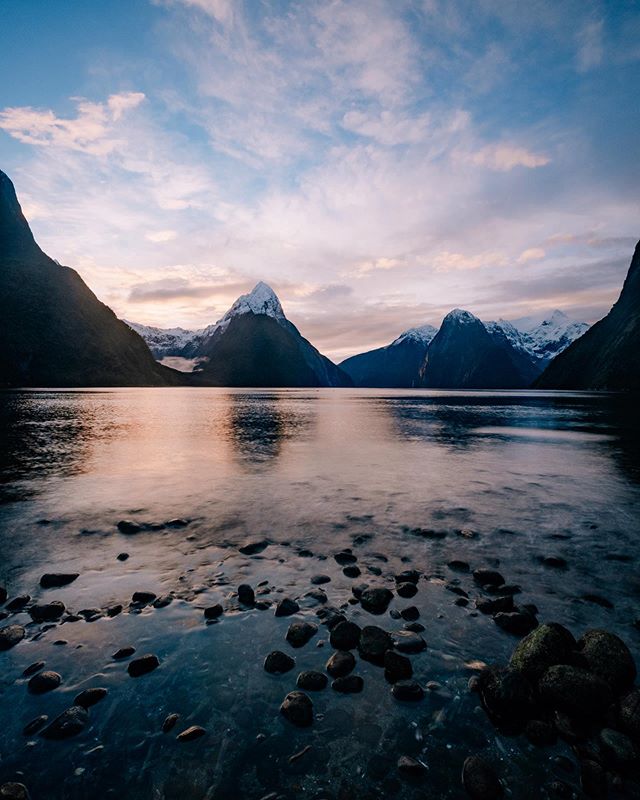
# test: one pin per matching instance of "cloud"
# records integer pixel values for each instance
(531, 254)
(168, 289)
(590, 45)
(161, 236)
(505, 157)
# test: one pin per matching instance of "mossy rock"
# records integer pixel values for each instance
(544, 647)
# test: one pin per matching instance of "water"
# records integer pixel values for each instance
(395, 475)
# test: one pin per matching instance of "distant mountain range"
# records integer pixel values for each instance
(55, 332)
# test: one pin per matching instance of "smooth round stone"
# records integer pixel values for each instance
(123, 652)
(300, 633)
(312, 681)
(348, 684)
(10, 635)
(286, 607)
(170, 722)
(345, 636)
(89, 697)
(297, 708)
(277, 663)
(341, 663)
(53, 580)
(190, 734)
(406, 589)
(410, 614)
(318, 580)
(374, 643)
(67, 724)
(396, 667)
(409, 642)
(246, 595)
(480, 780)
(376, 600)
(47, 612)
(143, 665)
(213, 612)
(407, 691)
(43, 682)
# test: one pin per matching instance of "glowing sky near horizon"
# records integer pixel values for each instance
(377, 162)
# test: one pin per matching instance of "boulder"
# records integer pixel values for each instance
(277, 663)
(67, 724)
(348, 684)
(575, 691)
(312, 681)
(341, 663)
(300, 633)
(480, 780)
(53, 580)
(507, 696)
(609, 657)
(376, 600)
(297, 708)
(345, 636)
(544, 647)
(10, 635)
(374, 643)
(143, 665)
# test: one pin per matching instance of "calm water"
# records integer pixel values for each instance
(395, 475)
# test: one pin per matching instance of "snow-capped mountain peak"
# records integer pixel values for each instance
(460, 316)
(540, 336)
(423, 334)
(260, 300)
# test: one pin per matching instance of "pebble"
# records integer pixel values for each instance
(410, 614)
(143, 598)
(47, 612)
(351, 571)
(459, 566)
(396, 667)
(341, 663)
(18, 603)
(345, 636)
(320, 579)
(191, 733)
(494, 605)
(124, 652)
(128, 526)
(213, 612)
(297, 708)
(43, 682)
(517, 622)
(312, 681)
(407, 691)
(406, 590)
(122, 556)
(488, 577)
(35, 725)
(409, 642)
(409, 766)
(246, 595)
(277, 663)
(348, 684)
(286, 607)
(345, 557)
(89, 697)
(143, 665)
(300, 633)
(480, 780)
(67, 724)
(10, 635)
(54, 580)
(376, 600)
(374, 643)
(252, 548)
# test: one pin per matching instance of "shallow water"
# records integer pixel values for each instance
(395, 475)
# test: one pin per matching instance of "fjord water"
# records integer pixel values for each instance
(406, 479)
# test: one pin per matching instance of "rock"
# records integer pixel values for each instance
(316, 596)
(124, 652)
(407, 691)
(455, 589)
(618, 749)
(286, 607)
(33, 668)
(488, 577)
(143, 665)
(555, 562)
(406, 589)
(18, 603)
(409, 642)
(3, 595)
(506, 695)
(358, 588)
(178, 522)
(517, 622)
(480, 780)
(143, 598)
(89, 697)
(10, 635)
(458, 566)
(597, 600)
(188, 735)
(540, 732)
(213, 612)
(408, 576)
(128, 526)
(113, 611)
(297, 708)
(34, 726)
(246, 595)
(495, 605)
(341, 663)
(300, 633)
(252, 548)
(14, 791)
(345, 557)
(122, 556)
(67, 724)
(629, 713)
(409, 766)
(575, 691)
(312, 681)
(376, 600)
(44, 682)
(593, 779)
(345, 636)
(277, 663)
(374, 643)
(90, 614)
(53, 580)
(348, 684)
(317, 580)
(544, 647)
(330, 617)
(396, 667)
(47, 612)
(609, 657)
(351, 571)
(410, 613)
(163, 601)
(416, 627)
(170, 722)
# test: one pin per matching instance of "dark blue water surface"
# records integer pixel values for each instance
(405, 479)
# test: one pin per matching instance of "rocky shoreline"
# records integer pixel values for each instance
(553, 688)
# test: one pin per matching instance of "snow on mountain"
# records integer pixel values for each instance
(542, 337)
(165, 341)
(422, 335)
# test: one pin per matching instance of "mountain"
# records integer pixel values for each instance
(254, 344)
(545, 337)
(165, 342)
(397, 365)
(54, 330)
(607, 356)
(465, 355)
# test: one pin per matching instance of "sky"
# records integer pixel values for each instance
(378, 162)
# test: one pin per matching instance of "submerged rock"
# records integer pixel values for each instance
(252, 548)
(480, 780)
(35, 725)
(312, 681)
(495, 605)
(544, 647)
(297, 708)
(409, 642)
(517, 622)
(143, 598)
(629, 713)
(507, 695)
(317, 580)
(407, 691)
(345, 636)
(374, 643)
(409, 766)
(286, 607)
(348, 684)
(143, 665)
(246, 595)
(10, 635)
(47, 612)
(67, 724)
(376, 600)
(277, 663)
(396, 667)
(608, 657)
(124, 652)
(213, 612)
(170, 722)
(33, 668)
(89, 697)
(575, 691)
(14, 791)
(188, 735)
(488, 577)
(44, 682)
(341, 663)
(53, 580)
(128, 526)
(300, 633)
